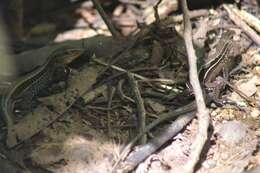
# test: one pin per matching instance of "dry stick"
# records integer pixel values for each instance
(203, 112)
(141, 113)
(117, 56)
(164, 8)
(249, 31)
(91, 95)
(129, 46)
(104, 16)
(248, 18)
(193, 14)
(156, 13)
(121, 93)
(153, 145)
(179, 18)
(163, 81)
(119, 74)
(145, 79)
(110, 99)
(163, 117)
(122, 70)
(101, 108)
(117, 68)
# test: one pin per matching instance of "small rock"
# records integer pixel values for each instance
(209, 164)
(232, 132)
(224, 156)
(249, 88)
(257, 70)
(255, 113)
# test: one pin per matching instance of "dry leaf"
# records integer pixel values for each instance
(249, 88)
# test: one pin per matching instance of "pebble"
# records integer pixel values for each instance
(209, 164)
(255, 113)
(232, 132)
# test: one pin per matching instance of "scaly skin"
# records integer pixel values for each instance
(28, 86)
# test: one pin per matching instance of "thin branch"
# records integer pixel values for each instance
(141, 113)
(156, 13)
(91, 95)
(106, 19)
(94, 59)
(163, 117)
(240, 23)
(203, 112)
(121, 93)
(193, 14)
(250, 19)
(109, 105)
(154, 144)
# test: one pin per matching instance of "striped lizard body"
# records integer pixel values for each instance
(28, 86)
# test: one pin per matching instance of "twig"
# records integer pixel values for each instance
(91, 95)
(117, 68)
(104, 16)
(101, 108)
(146, 150)
(193, 14)
(156, 13)
(141, 113)
(164, 117)
(110, 99)
(163, 81)
(248, 18)
(121, 93)
(203, 112)
(118, 55)
(119, 74)
(143, 78)
(249, 31)
(123, 71)
(164, 8)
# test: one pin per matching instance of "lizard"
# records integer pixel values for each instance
(221, 62)
(28, 86)
(208, 73)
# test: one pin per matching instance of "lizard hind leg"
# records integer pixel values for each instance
(215, 91)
